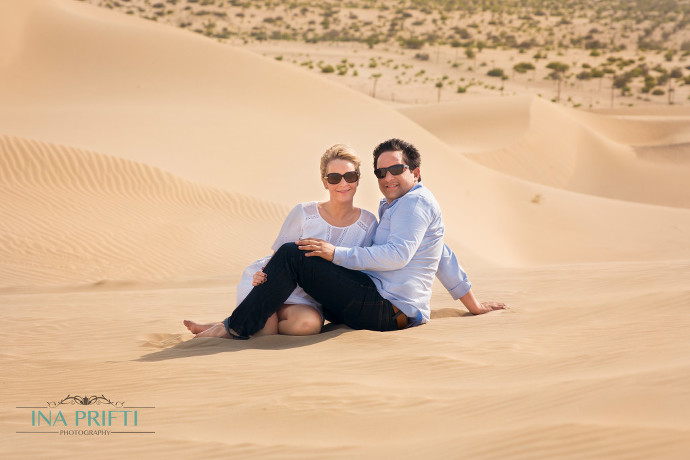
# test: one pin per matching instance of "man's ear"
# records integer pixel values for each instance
(416, 172)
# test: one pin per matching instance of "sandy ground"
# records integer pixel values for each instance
(142, 167)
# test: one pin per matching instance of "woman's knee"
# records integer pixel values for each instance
(299, 320)
(288, 250)
(305, 326)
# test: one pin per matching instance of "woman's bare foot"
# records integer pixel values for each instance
(196, 328)
(217, 330)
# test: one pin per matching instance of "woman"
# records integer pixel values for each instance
(337, 221)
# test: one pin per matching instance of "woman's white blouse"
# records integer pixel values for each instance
(304, 221)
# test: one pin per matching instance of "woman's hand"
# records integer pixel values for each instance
(259, 278)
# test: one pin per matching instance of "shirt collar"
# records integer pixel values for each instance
(383, 205)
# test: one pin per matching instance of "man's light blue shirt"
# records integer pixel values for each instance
(407, 252)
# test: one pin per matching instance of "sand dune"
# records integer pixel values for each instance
(560, 147)
(141, 167)
(229, 102)
(71, 216)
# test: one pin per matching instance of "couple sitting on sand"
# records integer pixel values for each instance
(333, 261)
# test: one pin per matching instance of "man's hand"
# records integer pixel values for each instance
(472, 304)
(316, 247)
(486, 307)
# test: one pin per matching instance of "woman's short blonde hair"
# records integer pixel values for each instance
(339, 152)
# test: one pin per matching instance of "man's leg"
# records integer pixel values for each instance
(347, 296)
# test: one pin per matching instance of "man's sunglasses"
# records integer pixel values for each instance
(335, 178)
(396, 170)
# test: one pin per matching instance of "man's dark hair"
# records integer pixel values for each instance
(410, 154)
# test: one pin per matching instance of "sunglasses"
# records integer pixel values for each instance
(396, 170)
(335, 178)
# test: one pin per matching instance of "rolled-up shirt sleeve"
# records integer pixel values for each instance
(407, 228)
(451, 274)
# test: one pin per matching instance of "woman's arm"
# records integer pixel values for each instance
(291, 230)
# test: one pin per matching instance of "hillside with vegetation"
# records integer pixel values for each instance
(581, 53)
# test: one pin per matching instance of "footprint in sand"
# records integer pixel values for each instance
(448, 313)
(161, 340)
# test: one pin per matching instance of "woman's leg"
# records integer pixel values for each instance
(298, 319)
(348, 296)
(292, 319)
(271, 327)
(196, 328)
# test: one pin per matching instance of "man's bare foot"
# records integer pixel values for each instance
(217, 330)
(196, 328)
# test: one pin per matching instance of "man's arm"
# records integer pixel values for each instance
(472, 304)
(454, 279)
(407, 228)
(452, 275)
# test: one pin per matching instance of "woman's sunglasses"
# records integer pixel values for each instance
(335, 178)
(396, 170)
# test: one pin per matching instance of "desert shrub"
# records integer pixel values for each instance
(557, 66)
(496, 72)
(584, 75)
(526, 44)
(462, 33)
(372, 40)
(523, 67)
(621, 81)
(649, 83)
(647, 44)
(593, 45)
(412, 43)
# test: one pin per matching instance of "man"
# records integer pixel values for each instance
(386, 286)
